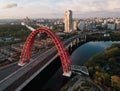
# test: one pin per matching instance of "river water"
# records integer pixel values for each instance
(87, 50)
(79, 57)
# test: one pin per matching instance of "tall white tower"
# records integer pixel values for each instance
(68, 21)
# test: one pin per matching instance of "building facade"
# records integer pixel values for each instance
(111, 26)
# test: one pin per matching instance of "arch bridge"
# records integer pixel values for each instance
(64, 55)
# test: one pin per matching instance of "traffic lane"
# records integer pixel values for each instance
(4, 73)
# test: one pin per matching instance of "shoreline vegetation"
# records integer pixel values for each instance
(113, 36)
(104, 68)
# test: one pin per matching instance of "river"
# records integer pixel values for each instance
(87, 50)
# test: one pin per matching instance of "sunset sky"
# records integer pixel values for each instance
(57, 8)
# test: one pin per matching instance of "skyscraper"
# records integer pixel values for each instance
(68, 21)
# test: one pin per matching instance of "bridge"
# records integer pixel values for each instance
(32, 66)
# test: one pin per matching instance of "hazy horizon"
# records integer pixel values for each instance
(19, 9)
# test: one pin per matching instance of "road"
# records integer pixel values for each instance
(7, 71)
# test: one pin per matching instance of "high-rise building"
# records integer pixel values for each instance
(68, 21)
(75, 25)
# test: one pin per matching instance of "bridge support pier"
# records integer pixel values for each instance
(22, 64)
(67, 74)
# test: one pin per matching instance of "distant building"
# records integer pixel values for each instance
(16, 47)
(106, 35)
(105, 22)
(81, 25)
(88, 26)
(8, 52)
(118, 26)
(2, 57)
(111, 26)
(75, 25)
(68, 21)
(27, 21)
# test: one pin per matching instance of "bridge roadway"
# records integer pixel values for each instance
(15, 73)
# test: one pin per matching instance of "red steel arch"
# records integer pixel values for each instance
(64, 55)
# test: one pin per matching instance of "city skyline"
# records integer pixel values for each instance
(10, 9)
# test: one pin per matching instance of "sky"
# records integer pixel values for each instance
(10, 9)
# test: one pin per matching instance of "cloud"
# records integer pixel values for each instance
(116, 10)
(90, 5)
(12, 5)
(57, 8)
